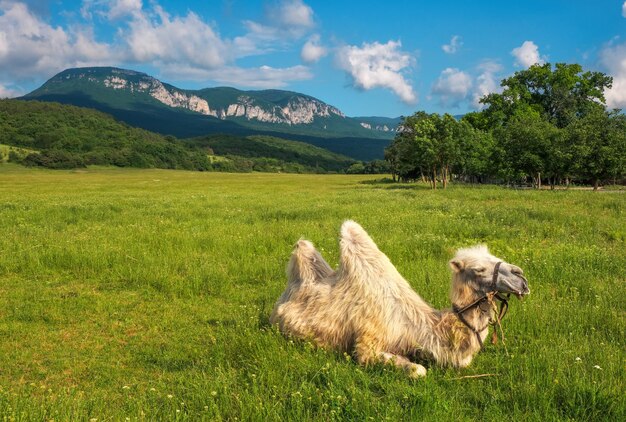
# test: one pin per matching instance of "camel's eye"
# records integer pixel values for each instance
(479, 270)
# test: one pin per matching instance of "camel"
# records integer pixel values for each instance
(367, 308)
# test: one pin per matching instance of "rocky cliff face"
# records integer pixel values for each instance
(298, 109)
(383, 128)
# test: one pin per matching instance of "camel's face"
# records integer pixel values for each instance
(510, 279)
(478, 267)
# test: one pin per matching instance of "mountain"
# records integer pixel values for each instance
(142, 100)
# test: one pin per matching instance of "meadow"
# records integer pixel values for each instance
(145, 295)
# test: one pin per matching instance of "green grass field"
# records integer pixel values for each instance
(145, 294)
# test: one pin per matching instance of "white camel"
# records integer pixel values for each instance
(368, 308)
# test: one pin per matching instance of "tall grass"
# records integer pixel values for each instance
(145, 294)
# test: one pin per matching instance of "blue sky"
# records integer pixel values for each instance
(365, 57)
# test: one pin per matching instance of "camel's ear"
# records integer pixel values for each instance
(457, 265)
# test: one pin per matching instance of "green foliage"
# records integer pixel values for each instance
(68, 136)
(145, 294)
(599, 141)
(370, 167)
(55, 159)
(266, 153)
(561, 95)
(13, 154)
(527, 141)
(546, 124)
(430, 146)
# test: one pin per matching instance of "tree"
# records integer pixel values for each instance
(356, 168)
(427, 146)
(526, 140)
(475, 160)
(561, 94)
(410, 156)
(599, 140)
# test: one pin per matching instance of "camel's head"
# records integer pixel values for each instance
(477, 270)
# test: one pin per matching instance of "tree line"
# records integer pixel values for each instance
(548, 125)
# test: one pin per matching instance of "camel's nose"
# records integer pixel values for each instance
(525, 288)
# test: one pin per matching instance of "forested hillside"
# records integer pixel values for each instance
(257, 147)
(65, 136)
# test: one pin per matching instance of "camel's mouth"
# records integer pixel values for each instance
(515, 284)
(520, 289)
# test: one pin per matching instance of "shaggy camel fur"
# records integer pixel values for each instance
(368, 308)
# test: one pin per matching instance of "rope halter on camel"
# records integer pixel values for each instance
(489, 299)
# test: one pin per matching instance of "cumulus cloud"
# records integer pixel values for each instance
(527, 54)
(121, 8)
(293, 14)
(624, 9)
(312, 51)
(111, 10)
(260, 77)
(30, 47)
(613, 59)
(452, 87)
(378, 65)
(170, 40)
(454, 46)
(487, 81)
(284, 22)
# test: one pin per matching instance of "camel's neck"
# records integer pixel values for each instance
(452, 341)
(473, 310)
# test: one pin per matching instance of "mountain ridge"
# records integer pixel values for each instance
(263, 109)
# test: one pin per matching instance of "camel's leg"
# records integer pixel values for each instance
(414, 370)
(367, 355)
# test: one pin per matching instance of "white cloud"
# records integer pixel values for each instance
(452, 87)
(30, 47)
(624, 9)
(256, 77)
(527, 55)
(262, 77)
(613, 59)
(283, 24)
(184, 40)
(122, 8)
(287, 17)
(293, 14)
(312, 51)
(454, 46)
(378, 65)
(111, 10)
(487, 82)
